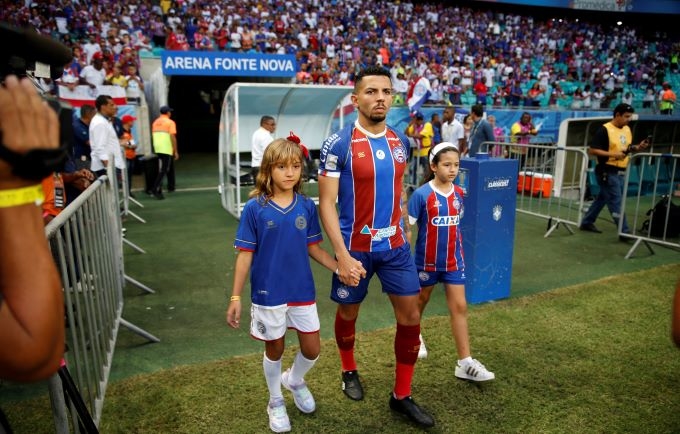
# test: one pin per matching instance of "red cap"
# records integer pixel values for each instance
(127, 118)
(97, 55)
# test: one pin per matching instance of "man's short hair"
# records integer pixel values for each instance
(477, 109)
(265, 119)
(623, 108)
(101, 100)
(368, 71)
(87, 110)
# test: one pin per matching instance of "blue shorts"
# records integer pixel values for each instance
(431, 278)
(395, 269)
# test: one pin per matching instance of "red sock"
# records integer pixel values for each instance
(406, 346)
(344, 338)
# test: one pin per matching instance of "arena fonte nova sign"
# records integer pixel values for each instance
(217, 63)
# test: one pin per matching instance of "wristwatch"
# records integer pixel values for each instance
(36, 164)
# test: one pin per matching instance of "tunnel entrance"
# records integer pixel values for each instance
(197, 103)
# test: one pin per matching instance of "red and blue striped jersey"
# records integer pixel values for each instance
(370, 168)
(279, 238)
(439, 246)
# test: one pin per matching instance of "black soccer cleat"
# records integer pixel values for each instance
(410, 409)
(351, 385)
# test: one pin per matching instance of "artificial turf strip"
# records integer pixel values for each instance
(595, 357)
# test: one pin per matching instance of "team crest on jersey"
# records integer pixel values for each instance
(424, 276)
(399, 154)
(497, 212)
(456, 204)
(300, 222)
(261, 327)
(342, 292)
(379, 234)
(331, 162)
(380, 155)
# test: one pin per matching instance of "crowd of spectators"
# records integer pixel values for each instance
(469, 56)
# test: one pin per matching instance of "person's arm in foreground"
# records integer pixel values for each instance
(31, 311)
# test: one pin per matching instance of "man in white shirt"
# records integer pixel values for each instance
(452, 129)
(262, 137)
(103, 138)
(94, 75)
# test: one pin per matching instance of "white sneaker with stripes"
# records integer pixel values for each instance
(422, 353)
(473, 371)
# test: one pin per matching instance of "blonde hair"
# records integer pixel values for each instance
(277, 152)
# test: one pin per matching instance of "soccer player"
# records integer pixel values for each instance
(362, 167)
(437, 207)
(277, 225)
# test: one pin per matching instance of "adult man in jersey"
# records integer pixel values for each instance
(611, 145)
(356, 163)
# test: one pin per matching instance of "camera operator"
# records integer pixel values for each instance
(31, 304)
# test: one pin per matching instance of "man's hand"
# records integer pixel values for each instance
(350, 271)
(26, 123)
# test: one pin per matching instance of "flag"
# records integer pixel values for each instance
(421, 92)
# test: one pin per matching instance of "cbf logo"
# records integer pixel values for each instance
(497, 212)
(399, 154)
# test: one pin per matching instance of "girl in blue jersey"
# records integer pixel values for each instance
(277, 227)
(437, 207)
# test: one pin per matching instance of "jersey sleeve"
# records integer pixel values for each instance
(415, 207)
(246, 234)
(333, 154)
(314, 235)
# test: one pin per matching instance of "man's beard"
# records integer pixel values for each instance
(377, 118)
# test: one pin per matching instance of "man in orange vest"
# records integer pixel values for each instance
(164, 134)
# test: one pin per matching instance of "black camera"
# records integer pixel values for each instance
(19, 52)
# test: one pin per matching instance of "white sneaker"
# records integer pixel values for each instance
(278, 417)
(303, 398)
(473, 371)
(422, 353)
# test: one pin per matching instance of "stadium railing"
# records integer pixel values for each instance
(652, 182)
(551, 182)
(86, 243)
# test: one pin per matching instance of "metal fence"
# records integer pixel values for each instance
(652, 193)
(87, 245)
(551, 181)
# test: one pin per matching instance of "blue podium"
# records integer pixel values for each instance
(488, 225)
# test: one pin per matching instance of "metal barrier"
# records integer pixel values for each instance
(86, 242)
(652, 181)
(551, 182)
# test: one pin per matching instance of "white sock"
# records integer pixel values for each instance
(465, 361)
(300, 367)
(272, 374)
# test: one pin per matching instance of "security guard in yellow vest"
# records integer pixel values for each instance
(611, 145)
(164, 134)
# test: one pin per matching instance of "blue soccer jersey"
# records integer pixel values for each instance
(279, 237)
(439, 246)
(370, 168)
